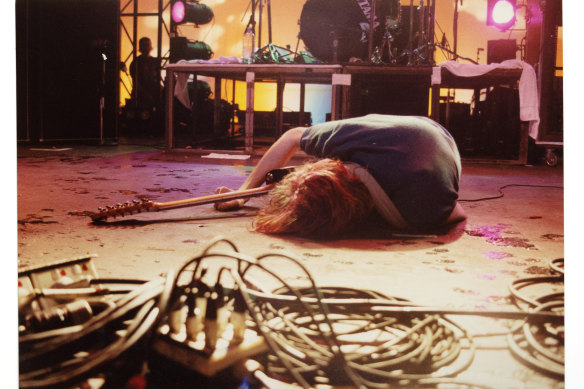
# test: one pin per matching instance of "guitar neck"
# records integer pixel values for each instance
(238, 194)
(130, 208)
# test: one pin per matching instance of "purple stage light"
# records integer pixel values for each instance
(501, 13)
(178, 12)
(191, 12)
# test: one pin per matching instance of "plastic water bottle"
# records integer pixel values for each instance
(248, 39)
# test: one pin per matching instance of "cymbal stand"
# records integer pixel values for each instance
(424, 36)
(420, 45)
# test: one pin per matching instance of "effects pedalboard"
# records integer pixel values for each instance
(195, 355)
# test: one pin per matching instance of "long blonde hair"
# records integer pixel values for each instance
(317, 200)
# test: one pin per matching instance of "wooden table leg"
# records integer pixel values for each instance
(217, 107)
(169, 109)
(249, 108)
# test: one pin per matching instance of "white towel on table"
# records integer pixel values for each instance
(528, 93)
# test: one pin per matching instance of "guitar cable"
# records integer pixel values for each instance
(315, 335)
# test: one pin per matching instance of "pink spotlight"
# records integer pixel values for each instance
(503, 12)
(178, 11)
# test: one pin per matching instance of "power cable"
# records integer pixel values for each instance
(501, 194)
(540, 344)
(345, 336)
(315, 335)
(70, 356)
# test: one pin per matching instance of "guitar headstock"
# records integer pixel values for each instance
(127, 208)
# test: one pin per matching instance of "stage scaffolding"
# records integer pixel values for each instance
(133, 18)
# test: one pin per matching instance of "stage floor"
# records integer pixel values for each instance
(469, 267)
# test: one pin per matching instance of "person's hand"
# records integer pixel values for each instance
(229, 205)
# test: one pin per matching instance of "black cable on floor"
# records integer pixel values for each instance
(314, 340)
(501, 194)
(540, 344)
(316, 335)
(71, 356)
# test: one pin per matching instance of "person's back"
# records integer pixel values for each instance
(407, 167)
(414, 159)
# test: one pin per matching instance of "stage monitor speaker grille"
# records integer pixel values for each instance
(501, 50)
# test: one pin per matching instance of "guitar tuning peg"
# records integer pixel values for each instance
(100, 209)
(136, 202)
(110, 207)
(119, 205)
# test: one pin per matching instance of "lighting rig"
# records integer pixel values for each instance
(188, 12)
(503, 15)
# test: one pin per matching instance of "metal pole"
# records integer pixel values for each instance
(372, 27)
(269, 21)
(169, 125)
(411, 32)
(455, 29)
(431, 27)
(249, 101)
(421, 27)
(252, 22)
(159, 45)
(260, 28)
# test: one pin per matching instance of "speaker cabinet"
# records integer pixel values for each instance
(500, 50)
(68, 69)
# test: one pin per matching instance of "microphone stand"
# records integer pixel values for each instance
(252, 22)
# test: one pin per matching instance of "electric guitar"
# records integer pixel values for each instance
(139, 206)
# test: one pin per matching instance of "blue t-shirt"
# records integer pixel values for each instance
(414, 159)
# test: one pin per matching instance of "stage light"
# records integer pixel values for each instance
(190, 12)
(501, 13)
(183, 48)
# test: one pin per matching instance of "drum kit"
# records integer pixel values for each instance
(339, 31)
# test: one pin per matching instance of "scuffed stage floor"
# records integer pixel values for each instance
(469, 267)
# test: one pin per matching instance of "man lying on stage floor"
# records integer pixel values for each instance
(407, 168)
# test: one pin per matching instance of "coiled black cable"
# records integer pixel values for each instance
(540, 344)
(316, 342)
(72, 355)
(316, 335)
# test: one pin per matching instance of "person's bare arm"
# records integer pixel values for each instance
(276, 157)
